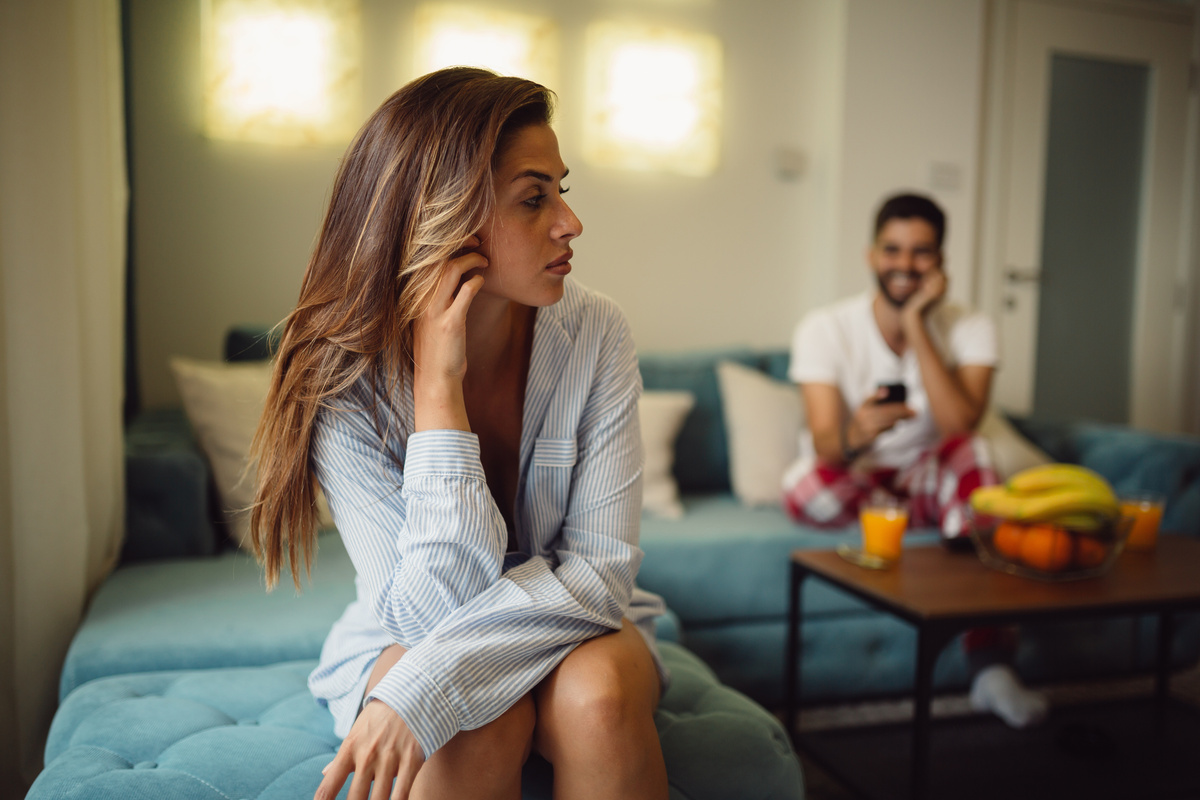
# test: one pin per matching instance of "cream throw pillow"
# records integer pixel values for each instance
(763, 421)
(223, 402)
(1011, 452)
(662, 416)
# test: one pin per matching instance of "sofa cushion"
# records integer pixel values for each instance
(257, 733)
(661, 415)
(206, 612)
(200, 613)
(763, 421)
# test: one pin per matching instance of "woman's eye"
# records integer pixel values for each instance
(535, 201)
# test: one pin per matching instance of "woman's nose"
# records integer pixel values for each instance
(568, 226)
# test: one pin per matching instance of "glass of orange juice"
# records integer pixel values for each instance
(1147, 511)
(883, 521)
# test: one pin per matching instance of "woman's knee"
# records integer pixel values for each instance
(606, 688)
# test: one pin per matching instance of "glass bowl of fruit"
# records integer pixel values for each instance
(1050, 550)
(1052, 522)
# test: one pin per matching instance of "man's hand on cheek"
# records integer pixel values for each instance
(932, 289)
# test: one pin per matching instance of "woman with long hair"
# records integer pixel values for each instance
(471, 416)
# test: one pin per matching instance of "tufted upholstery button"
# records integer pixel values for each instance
(247, 722)
(146, 765)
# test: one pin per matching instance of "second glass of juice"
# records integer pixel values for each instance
(1147, 511)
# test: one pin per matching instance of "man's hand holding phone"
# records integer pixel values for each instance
(880, 412)
(896, 393)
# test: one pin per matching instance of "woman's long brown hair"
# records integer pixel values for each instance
(415, 183)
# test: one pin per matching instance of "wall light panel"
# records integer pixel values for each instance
(282, 71)
(449, 35)
(653, 99)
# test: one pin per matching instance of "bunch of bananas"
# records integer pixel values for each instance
(1064, 494)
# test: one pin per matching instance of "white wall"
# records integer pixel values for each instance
(873, 92)
(223, 230)
(913, 100)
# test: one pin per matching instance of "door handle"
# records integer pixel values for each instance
(1014, 275)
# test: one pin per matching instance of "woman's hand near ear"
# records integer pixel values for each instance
(440, 345)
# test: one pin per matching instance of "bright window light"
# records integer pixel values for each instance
(450, 35)
(654, 99)
(281, 71)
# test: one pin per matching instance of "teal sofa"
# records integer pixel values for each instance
(184, 625)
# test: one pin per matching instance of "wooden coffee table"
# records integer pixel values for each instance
(943, 594)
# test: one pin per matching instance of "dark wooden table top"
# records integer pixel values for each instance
(933, 583)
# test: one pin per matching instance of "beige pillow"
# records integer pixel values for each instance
(763, 421)
(662, 416)
(223, 402)
(1011, 452)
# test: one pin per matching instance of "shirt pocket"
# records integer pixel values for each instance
(554, 453)
(549, 489)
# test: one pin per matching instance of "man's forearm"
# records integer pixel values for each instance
(954, 411)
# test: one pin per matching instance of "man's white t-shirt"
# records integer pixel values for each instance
(841, 345)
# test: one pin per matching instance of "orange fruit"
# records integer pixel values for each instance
(1089, 551)
(1046, 547)
(1007, 539)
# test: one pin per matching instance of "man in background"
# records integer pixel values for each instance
(895, 382)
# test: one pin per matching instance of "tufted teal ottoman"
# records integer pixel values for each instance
(256, 732)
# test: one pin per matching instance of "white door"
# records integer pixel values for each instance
(1081, 261)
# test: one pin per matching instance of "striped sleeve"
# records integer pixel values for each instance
(425, 537)
(495, 647)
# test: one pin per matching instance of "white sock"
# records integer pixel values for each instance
(998, 689)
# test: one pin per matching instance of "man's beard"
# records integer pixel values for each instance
(883, 287)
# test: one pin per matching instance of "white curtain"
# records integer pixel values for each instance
(63, 199)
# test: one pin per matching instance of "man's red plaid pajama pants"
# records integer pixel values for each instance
(937, 487)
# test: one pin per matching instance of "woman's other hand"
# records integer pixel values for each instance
(379, 748)
(440, 344)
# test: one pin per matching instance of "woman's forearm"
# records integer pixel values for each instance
(439, 403)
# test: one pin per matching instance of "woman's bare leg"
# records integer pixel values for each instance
(595, 721)
(484, 763)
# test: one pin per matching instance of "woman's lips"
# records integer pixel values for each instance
(560, 265)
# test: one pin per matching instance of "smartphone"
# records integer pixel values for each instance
(896, 393)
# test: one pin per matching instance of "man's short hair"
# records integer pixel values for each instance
(909, 206)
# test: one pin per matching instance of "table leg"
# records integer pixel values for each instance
(1162, 666)
(930, 642)
(791, 666)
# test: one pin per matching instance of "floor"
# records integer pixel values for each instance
(821, 786)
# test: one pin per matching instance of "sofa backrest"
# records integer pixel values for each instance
(701, 451)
